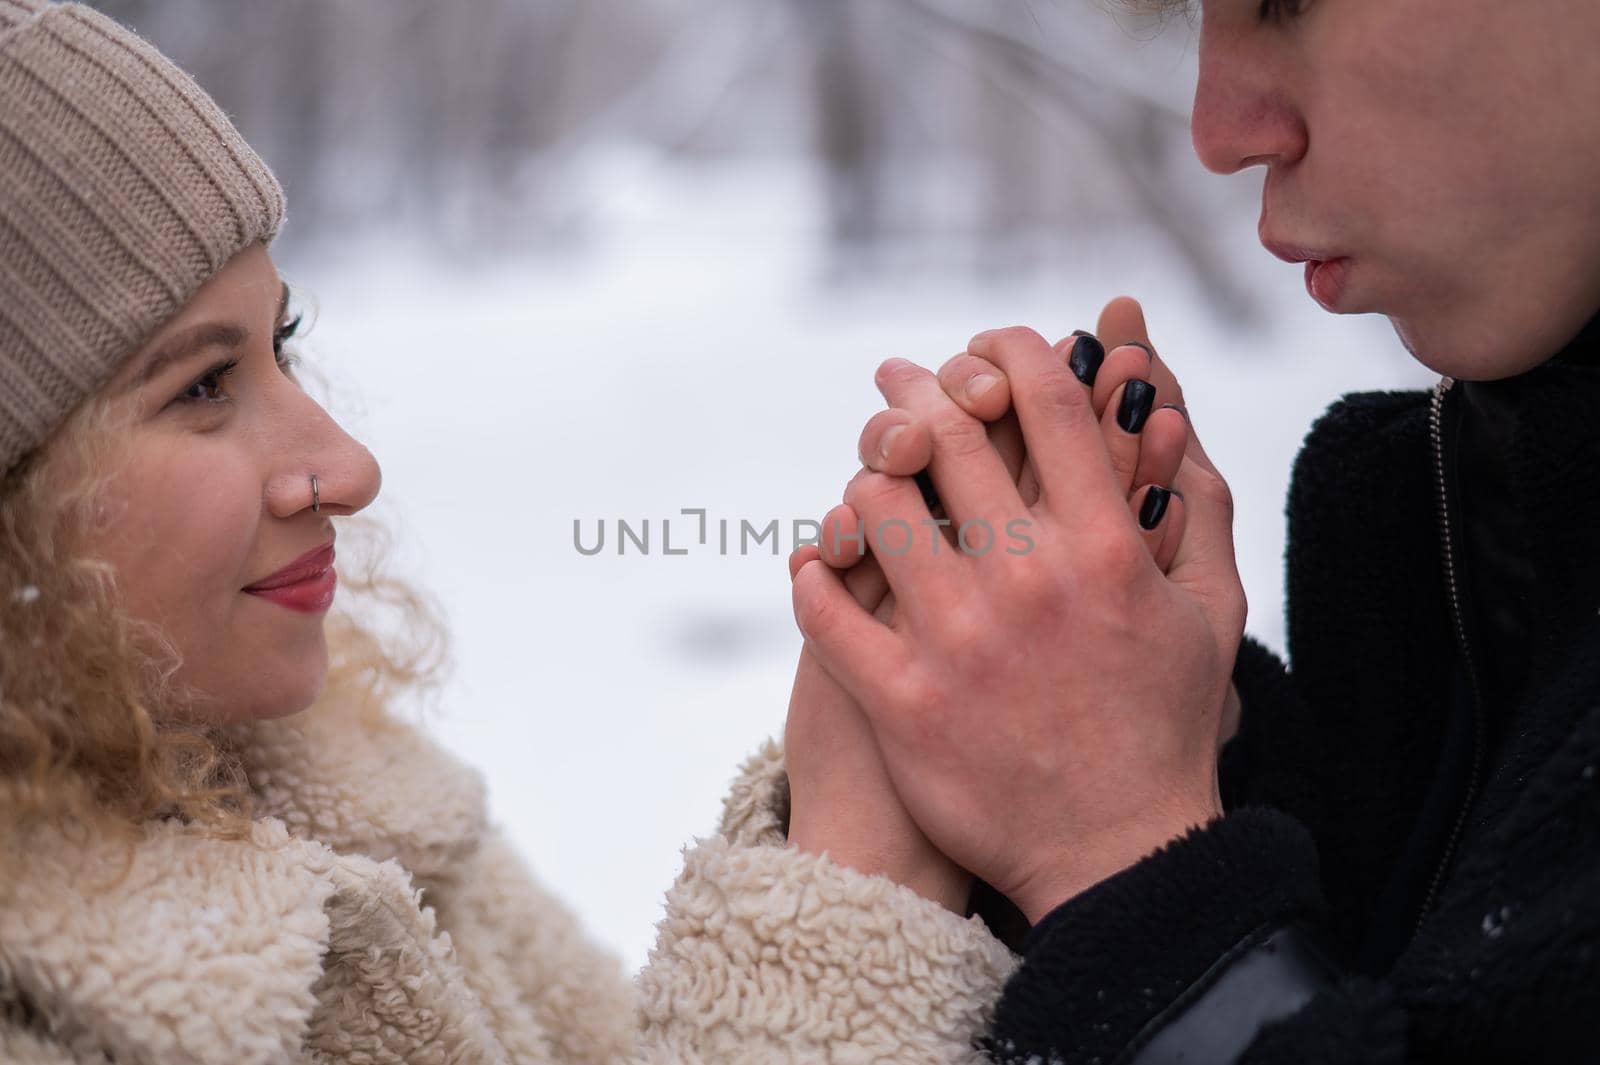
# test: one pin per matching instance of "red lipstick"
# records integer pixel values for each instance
(306, 585)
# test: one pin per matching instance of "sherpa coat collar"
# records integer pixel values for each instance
(309, 942)
(156, 952)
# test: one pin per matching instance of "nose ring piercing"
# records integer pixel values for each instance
(316, 497)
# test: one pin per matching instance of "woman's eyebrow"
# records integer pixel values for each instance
(185, 345)
(197, 338)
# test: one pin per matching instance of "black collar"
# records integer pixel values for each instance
(1526, 454)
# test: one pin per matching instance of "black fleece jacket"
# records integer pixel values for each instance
(1418, 799)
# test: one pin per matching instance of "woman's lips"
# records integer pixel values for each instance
(307, 584)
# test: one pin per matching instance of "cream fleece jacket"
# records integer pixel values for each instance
(375, 916)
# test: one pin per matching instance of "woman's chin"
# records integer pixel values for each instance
(291, 688)
(301, 698)
(284, 708)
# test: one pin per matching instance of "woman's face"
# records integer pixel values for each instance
(216, 496)
(1445, 149)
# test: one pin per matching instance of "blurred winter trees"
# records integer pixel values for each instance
(1015, 129)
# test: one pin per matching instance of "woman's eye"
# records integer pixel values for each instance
(208, 388)
(203, 389)
(1279, 10)
(286, 360)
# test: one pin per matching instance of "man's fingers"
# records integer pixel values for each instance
(1122, 426)
(1059, 426)
(1005, 433)
(973, 481)
(1121, 365)
(1122, 322)
(1166, 516)
(1118, 365)
(1161, 446)
(800, 556)
(869, 587)
(976, 385)
(1204, 561)
(1127, 362)
(895, 442)
(1203, 557)
(905, 539)
(842, 542)
(862, 574)
(857, 651)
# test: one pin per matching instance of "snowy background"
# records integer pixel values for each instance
(659, 276)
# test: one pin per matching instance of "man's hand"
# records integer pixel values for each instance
(896, 441)
(842, 801)
(1047, 716)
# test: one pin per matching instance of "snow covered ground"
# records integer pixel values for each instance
(695, 354)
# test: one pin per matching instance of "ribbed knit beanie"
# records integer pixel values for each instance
(123, 189)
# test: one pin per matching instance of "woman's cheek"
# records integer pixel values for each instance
(187, 530)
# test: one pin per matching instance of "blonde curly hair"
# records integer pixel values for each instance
(93, 729)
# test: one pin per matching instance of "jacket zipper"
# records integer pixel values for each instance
(1446, 537)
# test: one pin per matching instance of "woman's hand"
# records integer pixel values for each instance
(841, 800)
(1048, 716)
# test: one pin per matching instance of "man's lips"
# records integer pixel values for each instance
(1326, 271)
(309, 565)
(1296, 253)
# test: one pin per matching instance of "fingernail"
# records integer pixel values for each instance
(1181, 410)
(1142, 346)
(929, 495)
(1087, 355)
(1134, 410)
(887, 439)
(979, 384)
(1154, 507)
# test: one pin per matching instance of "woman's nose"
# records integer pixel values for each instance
(348, 476)
(1244, 113)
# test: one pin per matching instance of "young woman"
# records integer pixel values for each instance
(216, 843)
(1396, 856)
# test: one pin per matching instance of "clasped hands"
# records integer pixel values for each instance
(1039, 700)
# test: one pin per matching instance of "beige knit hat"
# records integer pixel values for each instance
(123, 189)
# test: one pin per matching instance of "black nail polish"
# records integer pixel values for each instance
(1087, 355)
(1154, 507)
(929, 495)
(1146, 348)
(1137, 399)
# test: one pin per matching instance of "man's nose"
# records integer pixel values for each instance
(1244, 114)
